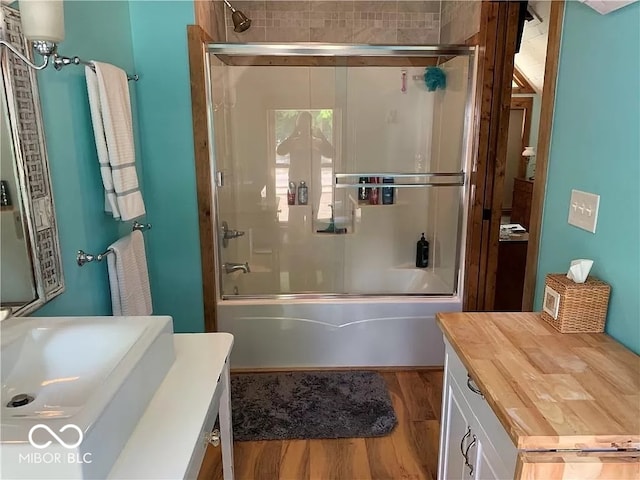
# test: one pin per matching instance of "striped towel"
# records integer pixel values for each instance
(112, 127)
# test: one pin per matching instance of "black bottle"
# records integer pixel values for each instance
(387, 192)
(422, 253)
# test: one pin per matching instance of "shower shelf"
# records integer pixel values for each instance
(435, 179)
(327, 234)
(394, 204)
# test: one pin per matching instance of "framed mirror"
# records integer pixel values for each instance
(30, 263)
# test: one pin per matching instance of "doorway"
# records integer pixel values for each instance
(500, 80)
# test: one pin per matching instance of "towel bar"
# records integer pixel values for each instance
(141, 226)
(60, 62)
(82, 257)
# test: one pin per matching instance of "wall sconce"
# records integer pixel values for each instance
(43, 25)
(529, 155)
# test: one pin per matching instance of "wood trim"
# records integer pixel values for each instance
(523, 85)
(474, 40)
(241, 371)
(497, 39)
(197, 39)
(478, 176)
(542, 157)
(501, 124)
(593, 465)
(205, 17)
(526, 104)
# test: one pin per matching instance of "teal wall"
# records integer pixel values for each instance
(95, 30)
(164, 109)
(595, 147)
(148, 38)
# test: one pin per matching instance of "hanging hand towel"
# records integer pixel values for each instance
(128, 277)
(113, 130)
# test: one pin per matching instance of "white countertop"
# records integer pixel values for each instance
(162, 445)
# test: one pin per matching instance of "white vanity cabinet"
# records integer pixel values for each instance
(471, 437)
(171, 438)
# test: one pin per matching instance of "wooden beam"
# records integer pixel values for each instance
(197, 39)
(523, 85)
(542, 157)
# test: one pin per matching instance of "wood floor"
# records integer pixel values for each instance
(409, 452)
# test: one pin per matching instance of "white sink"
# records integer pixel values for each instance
(85, 378)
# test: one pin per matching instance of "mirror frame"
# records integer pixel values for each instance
(36, 197)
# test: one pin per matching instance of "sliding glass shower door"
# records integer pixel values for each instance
(327, 176)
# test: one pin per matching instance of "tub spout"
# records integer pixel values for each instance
(231, 267)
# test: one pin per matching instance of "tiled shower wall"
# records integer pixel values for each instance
(460, 20)
(346, 21)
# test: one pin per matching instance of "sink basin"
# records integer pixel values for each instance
(73, 390)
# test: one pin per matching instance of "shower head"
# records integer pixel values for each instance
(240, 21)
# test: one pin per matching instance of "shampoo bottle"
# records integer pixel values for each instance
(303, 193)
(363, 192)
(422, 253)
(373, 192)
(387, 192)
(291, 194)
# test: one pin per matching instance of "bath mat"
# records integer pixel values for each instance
(303, 405)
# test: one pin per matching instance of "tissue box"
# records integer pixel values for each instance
(575, 307)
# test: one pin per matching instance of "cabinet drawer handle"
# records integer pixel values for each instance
(462, 443)
(466, 456)
(473, 387)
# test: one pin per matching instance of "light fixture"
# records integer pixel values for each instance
(530, 157)
(43, 25)
(240, 21)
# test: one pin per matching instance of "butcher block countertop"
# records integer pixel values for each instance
(550, 390)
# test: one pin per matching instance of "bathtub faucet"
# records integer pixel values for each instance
(231, 267)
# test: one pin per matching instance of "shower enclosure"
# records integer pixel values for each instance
(332, 279)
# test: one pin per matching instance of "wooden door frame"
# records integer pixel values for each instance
(543, 147)
(497, 41)
(488, 173)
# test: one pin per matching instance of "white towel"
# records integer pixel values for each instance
(128, 277)
(113, 130)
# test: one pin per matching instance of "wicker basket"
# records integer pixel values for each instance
(575, 307)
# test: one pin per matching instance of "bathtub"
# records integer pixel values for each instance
(376, 331)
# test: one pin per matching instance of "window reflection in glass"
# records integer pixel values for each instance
(304, 151)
